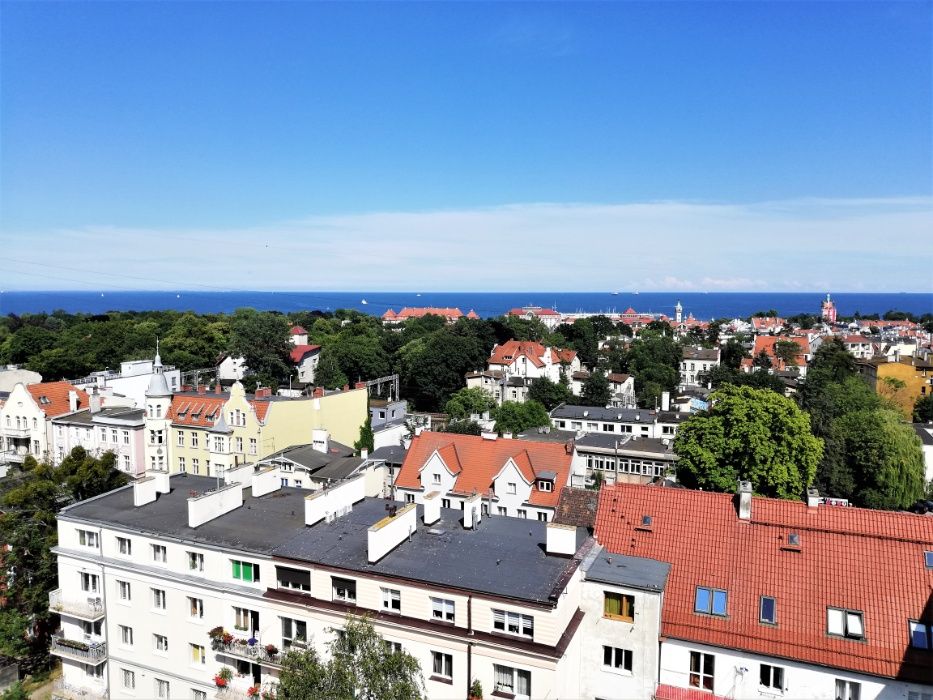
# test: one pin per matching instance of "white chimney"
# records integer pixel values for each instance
(320, 440)
(665, 401)
(265, 481)
(72, 400)
(472, 511)
(745, 500)
(561, 539)
(144, 491)
(813, 497)
(162, 483)
(391, 531)
(94, 401)
(206, 507)
(432, 507)
(364, 453)
(489, 435)
(330, 503)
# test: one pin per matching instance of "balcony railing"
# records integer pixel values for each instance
(90, 608)
(88, 652)
(67, 691)
(256, 654)
(12, 457)
(237, 688)
(15, 432)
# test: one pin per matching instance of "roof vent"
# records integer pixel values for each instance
(586, 413)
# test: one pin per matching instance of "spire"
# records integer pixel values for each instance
(158, 387)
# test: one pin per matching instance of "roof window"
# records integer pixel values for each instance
(928, 559)
(711, 601)
(44, 400)
(845, 623)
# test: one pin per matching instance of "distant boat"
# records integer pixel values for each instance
(417, 295)
(102, 294)
(364, 302)
(636, 292)
(615, 294)
(178, 296)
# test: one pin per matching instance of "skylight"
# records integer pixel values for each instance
(793, 539)
(928, 559)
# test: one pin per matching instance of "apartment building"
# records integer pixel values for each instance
(517, 478)
(101, 429)
(128, 385)
(530, 609)
(532, 360)
(623, 458)
(204, 432)
(696, 363)
(639, 422)
(26, 418)
(771, 598)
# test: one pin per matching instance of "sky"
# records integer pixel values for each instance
(717, 146)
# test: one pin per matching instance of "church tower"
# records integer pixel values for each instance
(158, 401)
(828, 311)
(678, 313)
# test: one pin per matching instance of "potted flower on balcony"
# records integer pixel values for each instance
(251, 641)
(252, 691)
(226, 638)
(271, 650)
(476, 690)
(267, 694)
(223, 678)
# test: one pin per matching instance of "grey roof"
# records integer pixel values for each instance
(85, 417)
(158, 386)
(701, 354)
(623, 570)
(504, 556)
(925, 431)
(306, 456)
(621, 415)
(626, 443)
(340, 468)
(392, 454)
(551, 435)
(546, 475)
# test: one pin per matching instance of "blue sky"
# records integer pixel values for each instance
(677, 145)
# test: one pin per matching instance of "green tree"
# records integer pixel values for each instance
(261, 338)
(762, 360)
(513, 417)
(923, 409)
(748, 434)
(596, 390)
(328, 373)
(884, 457)
(467, 402)
(547, 393)
(367, 439)
(787, 350)
(463, 427)
(361, 666)
(733, 352)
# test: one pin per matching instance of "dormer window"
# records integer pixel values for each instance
(544, 485)
(845, 623)
(919, 634)
(44, 400)
(928, 559)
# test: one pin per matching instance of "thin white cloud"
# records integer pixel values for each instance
(870, 244)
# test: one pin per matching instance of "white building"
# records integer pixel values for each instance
(532, 360)
(130, 383)
(925, 433)
(148, 570)
(695, 363)
(623, 458)
(231, 369)
(639, 422)
(26, 418)
(98, 430)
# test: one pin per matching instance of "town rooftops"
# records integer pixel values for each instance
(850, 559)
(577, 507)
(52, 397)
(113, 414)
(309, 458)
(619, 415)
(625, 444)
(604, 566)
(451, 314)
(390, 454)
(536, 353)
(502, 556)
(701, 354)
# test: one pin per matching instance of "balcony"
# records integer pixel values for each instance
(237, 689)
(12, 457)
(68, 691)
(17, 432)
(256, 654)
(90, 608)
(93, 653)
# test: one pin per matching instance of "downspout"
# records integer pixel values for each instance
(469, 678)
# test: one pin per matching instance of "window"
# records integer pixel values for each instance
(160, 641)
(158, 598)
(293, 578)
(195, 561)
(511, 487)
(123, 588)
(161, 688)
(768, 610)
(195, 465)
(252, 446)
(544, 485)
(245, 619)
(391, 600)
(197, 654)
(195, 608)
(619, 659)
(511, 680)
(125, 546)
(844, 623)
(445, 503)
(619, 606)
(436, 478)
(95, 672)
(182, 467)
(502, 510)
(126, 462)
(344, 589)
(126, 437)
(159, 553)
(89, 583)
(847, 690)
(194, 439)
(702, 668)
(928, 560)
(442, 609)
(126, 635)
(442, 665)
(103, 433)
(239, 444)
(129, 679)
(513, 623)
(771, 677)
(409, 498)
(92, 628)
(198, 694)
(284, 482)
(393, 647)
(245, 571)
(86, 538)
(181, 439)
(522, 513)
(293, 631)
(542, 517)
(919, 634)
(710, 601)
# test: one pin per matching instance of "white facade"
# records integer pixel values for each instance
(130, 382)
(231, 369)
(696, 363)
(107, 431)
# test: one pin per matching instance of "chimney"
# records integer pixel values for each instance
(218, 389)
(561, 539)
(359, 385)
(162, 482)
(813, 497)
(472, 511)
(489, 435)
(202, 388)
(95, 401)
(330, 503)
(364, 453)
(213, 504)
(72, 400)
(144, 491)
(665, 401)
(265, 481)
(432, 507)
(320, 440)
(391, 531)
(318, 392)
(346, 387)
(744, 497)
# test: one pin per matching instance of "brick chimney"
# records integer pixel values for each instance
(202, 388)
(318, 392)
(359, 385)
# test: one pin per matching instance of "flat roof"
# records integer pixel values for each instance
(502, 557)
(623, 570)
(625, 444)
(625, 415)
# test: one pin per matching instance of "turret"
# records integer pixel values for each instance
(158, 401)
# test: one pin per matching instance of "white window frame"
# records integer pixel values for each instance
(160, 643)
(124, 590)
(195, 561)
(195, 608)
(159, 553)
(392, 600)
(513, 623)
(343, 589)
(159, 598)
(125, 546)
(772, 678)
(848, 690)
(128, 679)
(126, 635)
(442, 665)
(843, 622)
(620, 660)
(443, 609)
(501, 670)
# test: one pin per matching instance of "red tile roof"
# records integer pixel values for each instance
(766, 344)
(476, 462)
(203, 410)
(853, 558)
(52, 397)
(472, 314)
(451, 314)
(670, 692)
(298, 330)
(299, 351)
(534, 311)
(511, 350)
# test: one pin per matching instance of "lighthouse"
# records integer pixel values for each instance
(828, 311)
(678, 313)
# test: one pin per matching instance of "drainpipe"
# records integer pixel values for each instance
(469, 678)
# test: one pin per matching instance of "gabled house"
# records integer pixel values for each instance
(549, 317)
(532, 360)
(516, 478)
(305, 358)
(26, 418)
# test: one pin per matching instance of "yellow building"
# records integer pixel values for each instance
(903, 382)
(205, 433)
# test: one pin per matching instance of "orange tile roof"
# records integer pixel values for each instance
(299, 351)
(52, 397)
(419, 311)
(476, 462)
(191, 409)
(851, 558)
(472, 314)
(511, 350)
(766, 343)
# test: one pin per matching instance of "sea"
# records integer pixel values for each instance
(703, 306)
